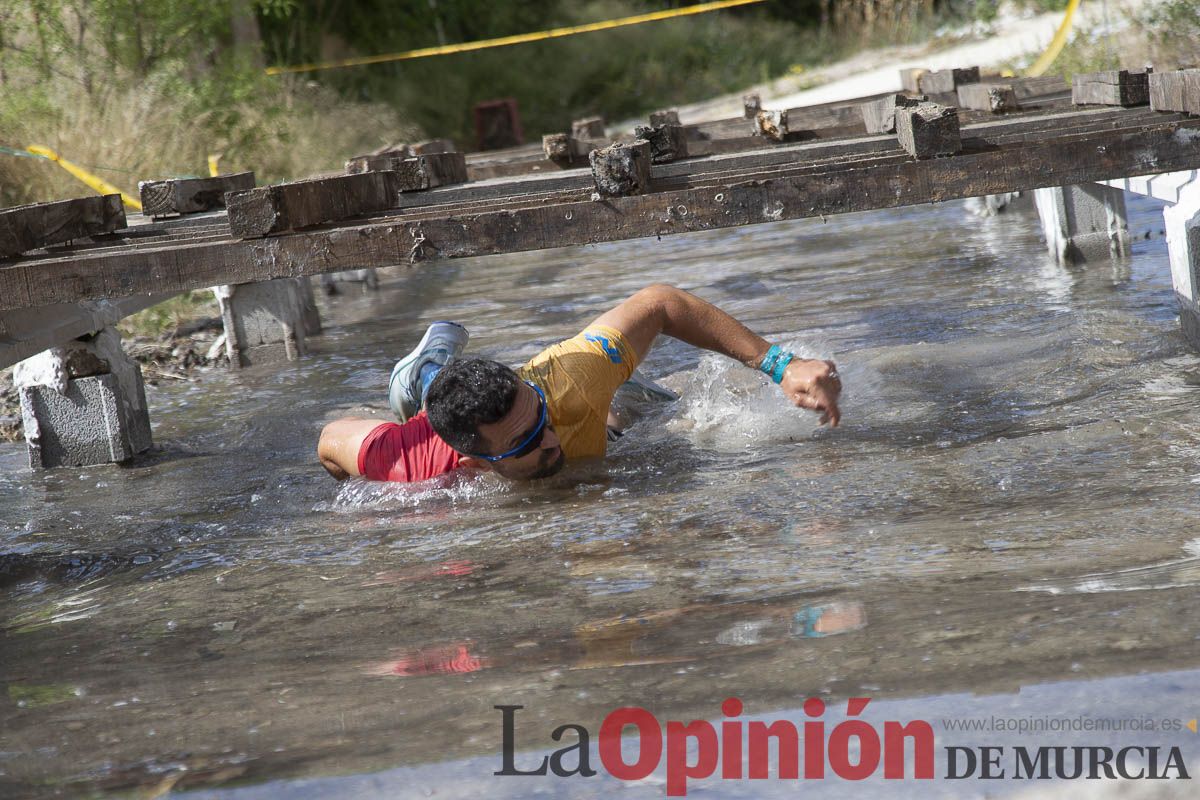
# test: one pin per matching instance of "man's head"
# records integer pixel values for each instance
(482, 409)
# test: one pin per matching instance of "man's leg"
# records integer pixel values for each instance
(442, 343)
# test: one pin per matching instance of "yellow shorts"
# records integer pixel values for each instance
(579, 377)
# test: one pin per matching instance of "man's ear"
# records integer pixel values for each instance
(475, 463)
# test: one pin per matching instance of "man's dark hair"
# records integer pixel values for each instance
(466, 394)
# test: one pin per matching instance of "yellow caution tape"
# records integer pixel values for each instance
(99, 184)
(518, 39)
(1056, 44)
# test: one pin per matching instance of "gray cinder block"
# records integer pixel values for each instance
(94, 422)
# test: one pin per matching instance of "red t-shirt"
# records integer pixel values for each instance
(405, 453)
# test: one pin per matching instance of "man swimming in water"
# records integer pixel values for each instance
(527, 423)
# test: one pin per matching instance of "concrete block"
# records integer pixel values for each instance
(308, 300)
(1183, 247)
(928, 130)
(1083, 223)
(621, 169)
(264, 322)
(367, 279)
(83, 404)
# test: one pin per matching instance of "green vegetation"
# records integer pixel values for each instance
(138, 89)
(31, 696)
(167, 317)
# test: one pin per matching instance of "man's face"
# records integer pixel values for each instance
(546, 456)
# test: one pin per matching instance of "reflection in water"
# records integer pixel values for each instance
(1010, 500)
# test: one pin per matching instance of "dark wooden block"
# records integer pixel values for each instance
(43, 224)
(751, 105)
(557, 147)
(947, 81)
(666, 117)
(879, 116)
(190, 195)
(621, 169)
(994, 97)
(1027, 88)
(434, 146)
(289, 206)
(1111, 88)
(772, 125)
(417, 173)
(667, 142)
(910, 80)
(589, 128)
(928, 130)
(1166, 91)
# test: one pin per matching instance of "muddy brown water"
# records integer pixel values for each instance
(1006, 522)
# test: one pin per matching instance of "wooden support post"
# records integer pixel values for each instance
(169, 198)
(588, 128)
(947, 81)
(772, 124)
(994, 97)
(1111, 88)
(928, 129)
(43, 224)
(879, 116)
(1083, 223)
(666, 117)
(622, 169)
(751, 105)
(667, 142)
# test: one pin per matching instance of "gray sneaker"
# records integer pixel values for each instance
(441, 344)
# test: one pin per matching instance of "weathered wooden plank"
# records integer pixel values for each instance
(588, 128)
(288, 206)
(749, 199)
(1042, 86)
(910, 79)
(1113, 88)
(168, 198)
(42, 224)
(995, 98)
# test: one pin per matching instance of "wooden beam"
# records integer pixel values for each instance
(43, 224)
(947, 81)
(288, 206)
(879, 116)
(177, 196)
(768, 195)
(1112, 88)
(927, 130)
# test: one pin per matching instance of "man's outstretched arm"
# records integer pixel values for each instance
(659, 308)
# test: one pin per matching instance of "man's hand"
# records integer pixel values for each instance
(814, 384)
